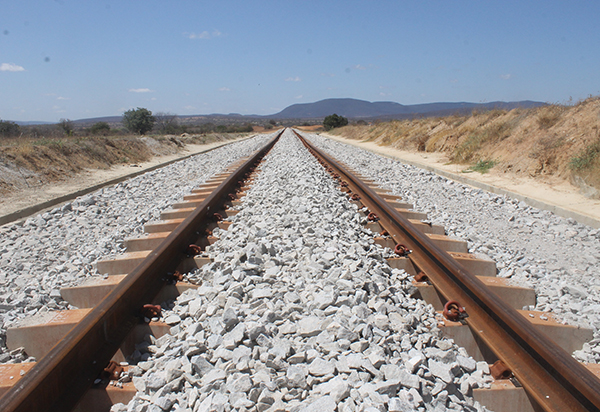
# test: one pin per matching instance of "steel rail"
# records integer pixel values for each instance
(59, 379)
(551, 377)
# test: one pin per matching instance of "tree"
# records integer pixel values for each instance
(102, 128)
(9, 129)
(139, 120)
(166, 123)
(332, 121)
(67, 126)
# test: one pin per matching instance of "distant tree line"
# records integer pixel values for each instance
(142, 120)
(137, 121)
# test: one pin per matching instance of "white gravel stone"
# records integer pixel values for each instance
(61, 247)
(324, 404)
(321, 367)
(336, 329)
(310, 326)
(556, 256)
(172, 319)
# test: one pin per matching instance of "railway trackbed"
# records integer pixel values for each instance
(288, 288)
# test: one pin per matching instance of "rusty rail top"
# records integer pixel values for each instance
(549, 374)
(59, 379)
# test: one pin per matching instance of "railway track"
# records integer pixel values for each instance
(549, 377)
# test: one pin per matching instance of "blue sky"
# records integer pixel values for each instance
(79, 59)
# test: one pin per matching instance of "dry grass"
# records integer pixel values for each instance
(549, 116)
(75, 154)
(49, 159)
(53, 159)
(558, 140)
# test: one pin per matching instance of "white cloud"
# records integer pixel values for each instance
(10, 67)
(224, 89)
(293, 79)
(299, 96)
(205, 35)
(505, 76)
(63, 98)
(144, 90)
(359, 67)
(153, 99)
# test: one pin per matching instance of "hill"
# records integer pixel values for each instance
(350, 108)
(354, 108)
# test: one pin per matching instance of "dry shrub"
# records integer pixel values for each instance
(495, 113)
(57, 158)
(550, 115)
(468, 148)
(420, 141)
(545, 146)
(587, 159)
(585, 167)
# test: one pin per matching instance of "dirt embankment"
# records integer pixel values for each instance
(558, 141)
(29, 164)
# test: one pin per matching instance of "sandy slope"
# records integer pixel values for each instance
(553, 193)
(15, 201)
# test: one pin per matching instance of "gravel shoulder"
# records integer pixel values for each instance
(19, 204)
(556, 256)
(554, 195)
(61, 247)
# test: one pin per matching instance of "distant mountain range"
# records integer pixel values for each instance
(350, 108)
(354, 109)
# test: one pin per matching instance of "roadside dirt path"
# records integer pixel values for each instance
(551, 194)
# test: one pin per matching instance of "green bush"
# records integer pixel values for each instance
(586, 158)
(101, 128)
(483, 166)
(332, 121)
(139, 120)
